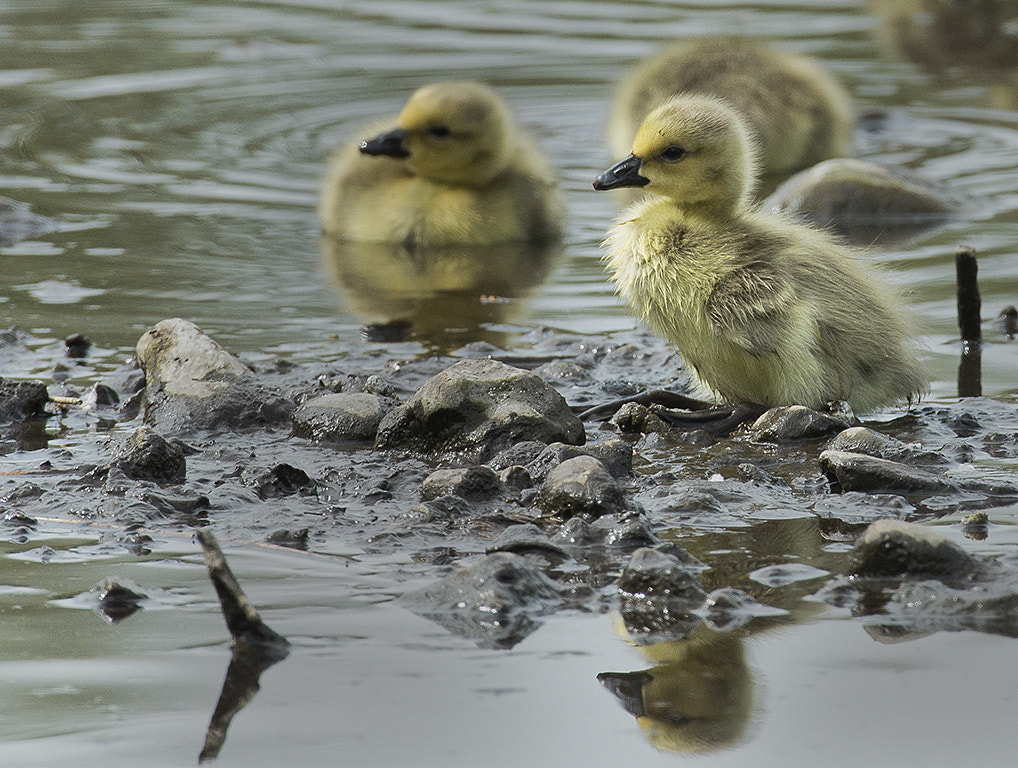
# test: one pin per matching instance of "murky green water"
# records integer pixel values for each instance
(180, 145)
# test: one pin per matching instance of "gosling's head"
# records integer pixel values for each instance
(695, 150)
(449, 132)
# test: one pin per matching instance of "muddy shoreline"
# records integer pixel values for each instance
(578, 503)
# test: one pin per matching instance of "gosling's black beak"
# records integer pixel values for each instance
(625, 173)
(389, 144)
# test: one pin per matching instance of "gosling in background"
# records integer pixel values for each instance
(767, 311)
(797, 112)
(455, 170)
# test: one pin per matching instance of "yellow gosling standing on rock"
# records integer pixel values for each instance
(454, 171)
(799, 114)
(766, 311)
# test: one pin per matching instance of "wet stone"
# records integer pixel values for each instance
(340, 416)
(894, 548)
(581, 485)
(624, 530)
(284, 480)
(117, 601)
(859, 472)
(633, 418)
(147, 455)
(873, 443)
(788, 423)
(478, 483)
(729, 608)
(20, 400)
(520, 454)
(192, 383)
(477, 408)
(862, 201)
(651, 574)
(616, 455)
(77, 345)
(976, 526)
(188, 504)
(516, 478)
(659, 594)
(441, 509)
(1007, 322)
(290, 538)
(493, 601)
(526, 538)
(855, 508)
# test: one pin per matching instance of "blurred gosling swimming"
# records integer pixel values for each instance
(798, 113)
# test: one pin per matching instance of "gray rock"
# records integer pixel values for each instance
(520, 455)
(441, 509)
(192, 383)
(339, 416)
(494, 601)
(115, 601)
(624, 530)
(477, 408)
(862, 201)
(659, 594)
(516, 478)
(478, 483)
(873, 443)
(894, 548)
(795, 422)
(634, 418)
(148, 456)
(284, 480)
(728, 608)
(20, 400)
(859, 472)
(615, 454)
(526, 538)
(580, 485)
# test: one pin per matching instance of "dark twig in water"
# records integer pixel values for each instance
(256, 647)
(243, 621)
(969, 307)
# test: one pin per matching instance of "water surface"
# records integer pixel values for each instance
(180, 145)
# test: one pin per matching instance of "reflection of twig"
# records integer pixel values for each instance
(970, 382)
(256, 647)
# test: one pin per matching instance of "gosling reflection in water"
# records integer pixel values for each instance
(697, 698)
(444, 296)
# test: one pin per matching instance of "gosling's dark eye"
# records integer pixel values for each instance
(439, 131)
(673, 154)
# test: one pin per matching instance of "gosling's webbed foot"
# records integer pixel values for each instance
(715, 420)
(660, 397)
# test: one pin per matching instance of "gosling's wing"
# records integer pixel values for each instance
(753, 308)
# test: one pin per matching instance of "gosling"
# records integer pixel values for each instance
(798, 113)
(455, 170)
(766, 311)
